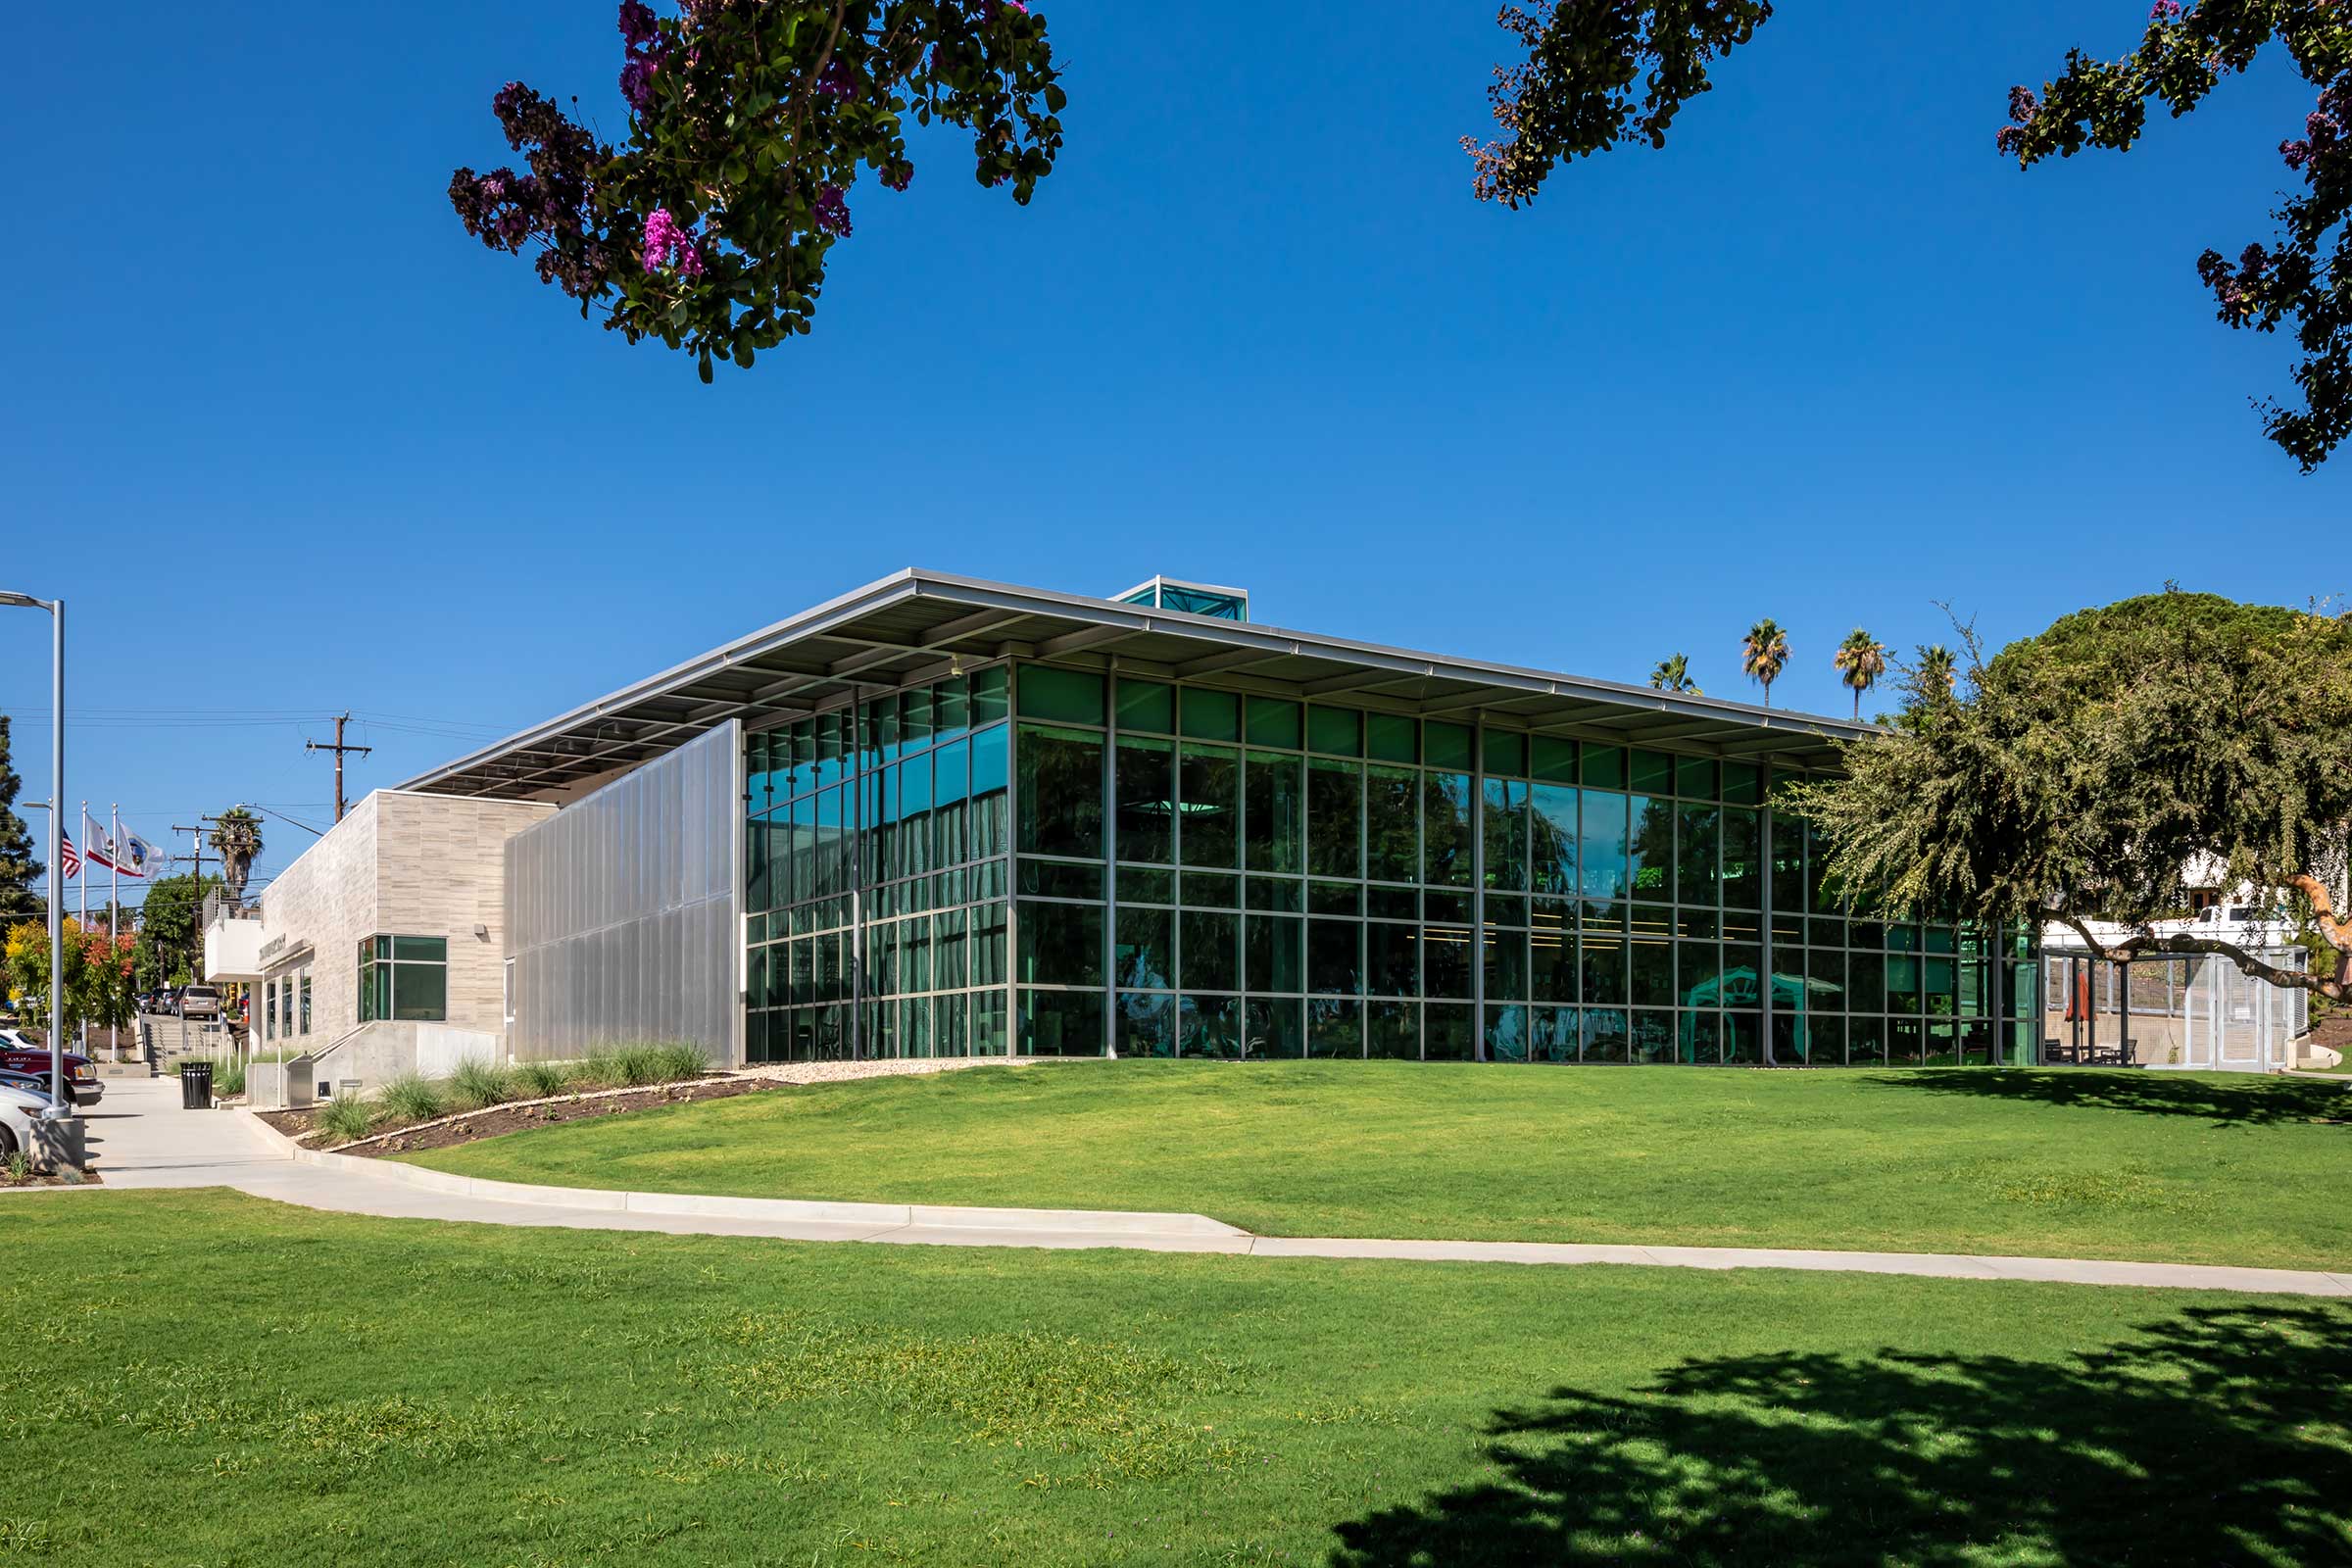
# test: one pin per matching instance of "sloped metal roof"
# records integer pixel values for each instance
(916, 625)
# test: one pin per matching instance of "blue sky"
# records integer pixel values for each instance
(289, 442)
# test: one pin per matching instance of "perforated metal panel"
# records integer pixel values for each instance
(621, 910)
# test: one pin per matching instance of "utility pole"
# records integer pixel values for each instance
(338, 749)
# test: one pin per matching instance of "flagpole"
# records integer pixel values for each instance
(84, 880)
(114, 897)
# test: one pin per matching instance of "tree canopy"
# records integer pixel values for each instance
(1597, 72)
(750, 122)
(2079, 775)
(19, 866)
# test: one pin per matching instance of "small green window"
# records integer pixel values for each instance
(1743, 783)
(1148, 706)
(1335, 731)
(1654, 773)
(1071, 696)
(988, 695)
(1448, 746)
(1273, 722)
(1390, 738)
(1506, 754)
(1554, 760)
(1211, 715)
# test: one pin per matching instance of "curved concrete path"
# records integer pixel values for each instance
(140, 1137)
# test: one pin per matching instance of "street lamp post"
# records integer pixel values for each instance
(56, 798)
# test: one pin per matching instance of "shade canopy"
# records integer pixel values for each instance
(915, 626)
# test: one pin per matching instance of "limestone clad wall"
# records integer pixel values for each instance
(398, 864)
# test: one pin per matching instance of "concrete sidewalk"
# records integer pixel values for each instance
(141, 1137)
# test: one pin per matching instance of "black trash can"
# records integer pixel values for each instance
(195, 1086)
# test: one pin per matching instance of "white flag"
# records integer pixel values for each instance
(134, 856)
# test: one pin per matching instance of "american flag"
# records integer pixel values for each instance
(69, 858)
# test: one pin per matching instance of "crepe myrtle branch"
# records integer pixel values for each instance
(2142, 943)
(709, 227)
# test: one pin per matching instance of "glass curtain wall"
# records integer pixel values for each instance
(875, 888)
(1203, 872)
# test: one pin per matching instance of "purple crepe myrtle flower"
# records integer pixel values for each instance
(2165, 11)
(666, 242)
(835, 81)
(637, 82)
(832, 213)
(898, 175)
(637, 22)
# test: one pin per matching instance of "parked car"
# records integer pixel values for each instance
(2245, 925)
(83, 1086)
(197, 1002)
(10, 1078)
(20, 1108)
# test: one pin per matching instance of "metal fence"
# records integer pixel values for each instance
(620, 911)
(2193, 1013)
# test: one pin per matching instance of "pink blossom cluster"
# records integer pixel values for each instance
(666, 242)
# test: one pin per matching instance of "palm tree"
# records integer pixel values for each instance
(1673, 675)
(1765, 654)
(1937, 669)
(1860, 660)
(237, 835)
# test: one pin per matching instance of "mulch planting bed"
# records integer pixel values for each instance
(474, 1126)
(89, 1178)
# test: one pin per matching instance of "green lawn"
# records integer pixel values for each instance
(200, 1378)
(2222, 1168)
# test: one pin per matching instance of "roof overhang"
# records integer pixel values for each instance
(915, 626)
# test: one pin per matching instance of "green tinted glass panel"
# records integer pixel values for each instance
(428, 950)
(1273, 722)
(1140, 886)
(1390, 738)
(1446, 745)
(1652, 773)
(1209, 780)
(420, 991)
(1060, 944)
(988, 695)
(1061, 792)
(1211, 715)
(1338, 731)
(1147, 704)
(1073, 696)
(1146, 793)
(1605, 767)
(1507, 753)
(1695, 777)
(1743, 783)
(1553, 759)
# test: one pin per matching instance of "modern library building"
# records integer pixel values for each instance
(942, 817)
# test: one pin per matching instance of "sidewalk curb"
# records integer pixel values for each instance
(782, 1210)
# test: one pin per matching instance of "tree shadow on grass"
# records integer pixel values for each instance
(2258, 1101)
(2218, 1435)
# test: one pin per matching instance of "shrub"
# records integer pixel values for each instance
(478, 1084)
(636, 1067)
(601, 1069)
(229, 1075)
(412, 1097)
(346, 1117)
(543, 1080)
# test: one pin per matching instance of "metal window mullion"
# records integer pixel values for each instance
(1109, 785)
(1478, 895)
(1767, 965)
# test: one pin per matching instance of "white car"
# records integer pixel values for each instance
(2245, 925)
(20, 1108)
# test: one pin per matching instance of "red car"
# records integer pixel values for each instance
(83, 1086)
